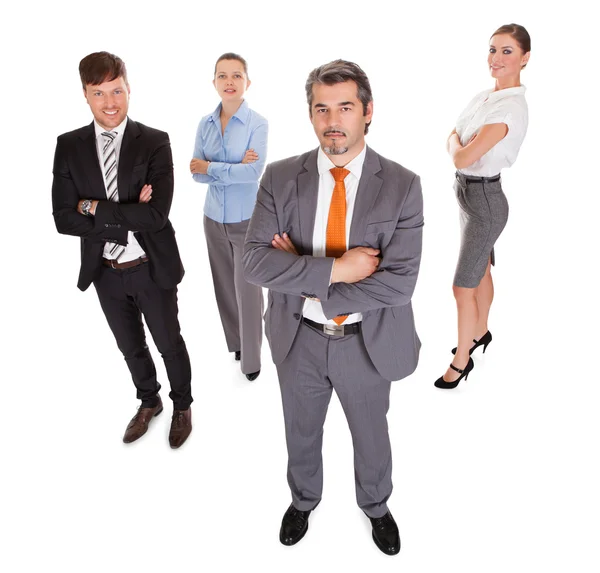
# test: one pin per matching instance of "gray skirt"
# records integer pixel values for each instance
(483, 216)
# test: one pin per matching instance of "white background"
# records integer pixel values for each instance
(499, 475)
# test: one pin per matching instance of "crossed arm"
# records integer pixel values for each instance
(488, 136)
(358, 281)
(111, 221)
(221, 173)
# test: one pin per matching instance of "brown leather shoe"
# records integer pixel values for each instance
(139, 423)
(181, 427)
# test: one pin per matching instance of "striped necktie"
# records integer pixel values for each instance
(109, 166)
(336, 221)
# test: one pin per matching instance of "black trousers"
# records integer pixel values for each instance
(124, 296)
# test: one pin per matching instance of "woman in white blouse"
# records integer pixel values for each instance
(487, 138)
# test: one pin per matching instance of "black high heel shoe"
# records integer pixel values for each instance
(483, 341)
(441, 383)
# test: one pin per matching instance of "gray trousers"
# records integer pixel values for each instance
(240, 303)
(316, 365)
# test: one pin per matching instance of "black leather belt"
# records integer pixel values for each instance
(129, 264)
(478, 179)
(334, 329)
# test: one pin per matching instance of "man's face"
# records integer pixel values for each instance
(109, 102)
(337, 117)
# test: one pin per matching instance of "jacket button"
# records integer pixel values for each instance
(106, 225)
(296, 316)
(118, 225)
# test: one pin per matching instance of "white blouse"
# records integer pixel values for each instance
(503, 106)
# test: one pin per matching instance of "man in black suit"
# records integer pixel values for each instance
(113, 187)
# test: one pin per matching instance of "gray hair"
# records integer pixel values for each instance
(337, 72)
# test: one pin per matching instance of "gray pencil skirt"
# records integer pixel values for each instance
(483, 216)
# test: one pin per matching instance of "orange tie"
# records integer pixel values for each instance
(336, 222)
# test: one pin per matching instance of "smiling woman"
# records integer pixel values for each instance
(486, 139)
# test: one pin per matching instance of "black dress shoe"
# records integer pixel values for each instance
(238, 354)
(385, 534)
(252, 376)
(464, 373)
(294, 525)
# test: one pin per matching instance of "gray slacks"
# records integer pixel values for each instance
(316, 365)
(240, 303)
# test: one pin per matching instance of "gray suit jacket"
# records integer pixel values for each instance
(388, 215)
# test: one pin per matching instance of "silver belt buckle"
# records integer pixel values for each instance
(333, 329)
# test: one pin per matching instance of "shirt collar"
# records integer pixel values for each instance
(241, 114)
(324, 164)
(120, 129)
(496, 95)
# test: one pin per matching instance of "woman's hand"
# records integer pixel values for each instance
(250, 156)
(199, 166)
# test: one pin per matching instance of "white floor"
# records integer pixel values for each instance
(499, 475)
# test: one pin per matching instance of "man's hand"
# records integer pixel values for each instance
(92, 208)
(355, 265)
(146, 194)
(284, 243)
(250, 156)
(199, 166)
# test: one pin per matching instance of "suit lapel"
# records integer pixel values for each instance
(307, 189)
(129, 148)
(89, 159)
(368, 190)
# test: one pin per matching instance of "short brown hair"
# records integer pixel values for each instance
(101, 67)
(517, 33)
(232, 56)
(337, 72)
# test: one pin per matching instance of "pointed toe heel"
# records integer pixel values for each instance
(464, 373)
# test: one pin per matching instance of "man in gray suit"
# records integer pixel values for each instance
(336, 237)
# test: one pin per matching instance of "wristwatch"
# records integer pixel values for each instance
(86, 206)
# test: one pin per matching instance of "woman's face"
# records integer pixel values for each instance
(505, 58)
(231, 81)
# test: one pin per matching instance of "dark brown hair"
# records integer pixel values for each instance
(517, 33)
(232, 56)
(337, 72)
(101, 67)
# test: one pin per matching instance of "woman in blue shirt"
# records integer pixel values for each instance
(230, 155)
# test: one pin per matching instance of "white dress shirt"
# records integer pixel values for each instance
(133, 250)
(503, 106)
(313, 309)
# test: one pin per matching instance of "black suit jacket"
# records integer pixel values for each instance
(145, 158)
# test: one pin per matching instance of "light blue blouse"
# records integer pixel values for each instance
(232, 186)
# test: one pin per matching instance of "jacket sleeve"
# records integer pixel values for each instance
(199, 154)
(394, 281)
(274, 269)
(65, 198)
(228, 173)
(151, 216)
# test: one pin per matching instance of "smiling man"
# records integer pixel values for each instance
(336, 238)
(113, 188)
